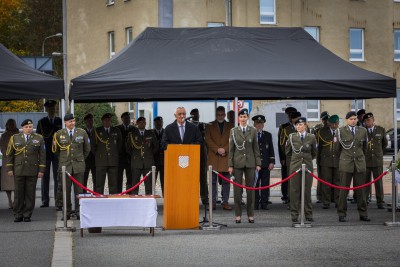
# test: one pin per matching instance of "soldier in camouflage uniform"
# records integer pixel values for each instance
(374, 156)
(26, 161)
(72, 147)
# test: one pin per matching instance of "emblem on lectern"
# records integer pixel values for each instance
(183, 161)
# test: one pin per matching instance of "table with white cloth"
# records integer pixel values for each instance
(118, 211)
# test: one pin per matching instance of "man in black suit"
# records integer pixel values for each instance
(180, 131)
(90, 163)
(124, 157)
(159, 158)
(267, 154)
(47, 126)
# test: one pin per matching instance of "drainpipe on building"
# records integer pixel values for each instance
(228, 13)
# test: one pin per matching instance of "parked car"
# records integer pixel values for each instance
(390, 139)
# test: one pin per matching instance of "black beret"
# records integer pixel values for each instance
(68, 117)
(88, 116)
(360, 112)
(50, 103)
(350, 114)
(367, 116)
(125, 114)
(106, 116)
(141, 119)
(27, 121)
(324, 115)
(294, 115)
(244, 111)
(300, 120)
(289, 110)
(194, 110)
(159, 118)
(258, 118)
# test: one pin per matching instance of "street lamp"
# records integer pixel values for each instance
(54, 35)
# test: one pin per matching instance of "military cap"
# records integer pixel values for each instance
(333, 118)
(289, 110)
(141, 119)
(50, 103)
(106, 116)
(350, 114)
(294, 115)
(125, 114)
(194, 110)
(301, 120)
(367, 116)
(25, 122)
(68, 117)
(360, 112)
(159, 118)
(259, 118)
(324, 115)
(88, 116)
(244, 111)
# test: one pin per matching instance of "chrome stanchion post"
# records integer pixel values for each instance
(303, 184)
(211, 225)
(64, 188)
(153, 180)
(394, 198)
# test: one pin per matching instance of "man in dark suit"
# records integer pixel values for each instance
(282, 155)
(47, 126)
(180, 131)
(194, 113)
(90, 163)
(124, 158)
(159, 157)
(267, 155)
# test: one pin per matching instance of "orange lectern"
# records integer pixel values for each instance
(181, 186)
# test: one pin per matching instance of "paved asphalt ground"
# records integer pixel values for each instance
(271, 241)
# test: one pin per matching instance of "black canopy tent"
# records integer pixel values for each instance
(19, 81)
(226, 62)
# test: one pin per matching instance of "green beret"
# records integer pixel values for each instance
(25, 122)
(333, 118)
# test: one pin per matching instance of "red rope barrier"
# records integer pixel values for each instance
(258, 188)
(100, 195)
(347, 188)
(82, 186)
(135, 186)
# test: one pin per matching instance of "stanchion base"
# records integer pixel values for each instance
(65, 229)
(393, 224)
(304, 225)
(210, 227)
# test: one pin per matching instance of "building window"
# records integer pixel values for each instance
(128, 35)
(215, 24)
(313, 110)
(313, 31)
(131, 107)
(396, 45)
(111, 44)
(267, 12)
(109, 2)
(356, 44)
(360, 104)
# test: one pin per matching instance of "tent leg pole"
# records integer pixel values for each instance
(236, 110)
